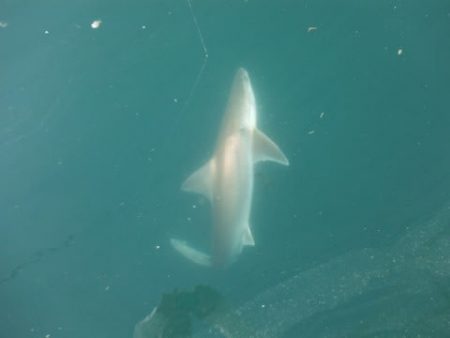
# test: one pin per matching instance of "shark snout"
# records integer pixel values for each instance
(242, 74)
(242, 71)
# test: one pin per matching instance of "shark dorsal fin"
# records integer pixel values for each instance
(201, 180)
(264, 149)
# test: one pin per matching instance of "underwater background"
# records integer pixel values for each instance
(107, 106)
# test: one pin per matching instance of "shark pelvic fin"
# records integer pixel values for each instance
(190, 253)
(247, 237)
(200, 181)
(264, 149)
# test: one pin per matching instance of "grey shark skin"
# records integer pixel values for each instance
(226, 180)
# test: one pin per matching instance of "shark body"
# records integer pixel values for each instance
(226, 180)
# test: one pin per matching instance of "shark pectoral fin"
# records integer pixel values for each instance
(190, 253)
(247, 237)
(200, 180)
(264, 149)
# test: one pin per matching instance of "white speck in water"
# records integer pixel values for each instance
(194, 206)
(144, 27)
(107, 288)
(46, 32)
(311, 132)
(96, 24)
(263, 306)
(400, 51)
(189, 219)
(322, 114)
(311, 29)
(3, 24)
(175, 100)
(157, 247)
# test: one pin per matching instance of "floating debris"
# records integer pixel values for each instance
(399, 51)
(3, 24)
(322, 115)
(311, 132)
(96, 24)
(311, 29)
(46, 32)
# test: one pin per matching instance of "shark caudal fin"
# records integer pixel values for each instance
(190, 253)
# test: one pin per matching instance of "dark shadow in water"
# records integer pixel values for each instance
(401, 290)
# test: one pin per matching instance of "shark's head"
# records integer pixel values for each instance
(242, 76)
(242, 105)
(243, 87)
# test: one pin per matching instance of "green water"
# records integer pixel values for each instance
(99, 128)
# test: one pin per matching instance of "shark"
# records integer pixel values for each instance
(227, 179)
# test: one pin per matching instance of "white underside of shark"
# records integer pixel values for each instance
(226, 180)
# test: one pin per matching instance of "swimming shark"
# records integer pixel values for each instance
(226, 180)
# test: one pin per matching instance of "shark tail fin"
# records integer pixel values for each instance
(190, 253)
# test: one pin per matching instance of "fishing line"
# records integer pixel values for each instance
(204, 61)
(176, 124)
(37, 257)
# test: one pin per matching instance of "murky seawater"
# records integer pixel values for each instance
(106, 107)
